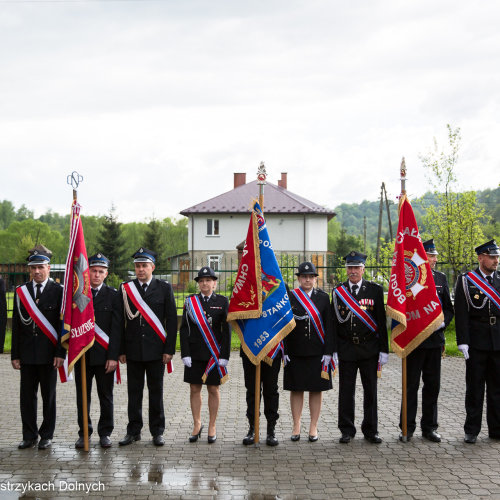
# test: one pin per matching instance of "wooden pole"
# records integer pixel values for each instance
(404, 405)
(84, 387)
(261, 182)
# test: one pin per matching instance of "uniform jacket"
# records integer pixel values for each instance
(29, 343)
(473, 314)
(371, 296)
(443, 292)
(303, 339)
(107, 317)
(192, 343)
(138, 340)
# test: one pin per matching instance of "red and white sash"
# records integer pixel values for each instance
(485, 287)
(352, 304)
(147, 313)
(36, 315)
(315, 317)
(197, 314)
(103, 339)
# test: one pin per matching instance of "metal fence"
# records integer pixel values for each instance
(183, 282)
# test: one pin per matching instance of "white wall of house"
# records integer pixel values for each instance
(286, 232)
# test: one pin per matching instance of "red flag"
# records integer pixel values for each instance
(77, 312)
(412, 300)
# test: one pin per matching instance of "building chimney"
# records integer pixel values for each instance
(240, 179)
(282, 181)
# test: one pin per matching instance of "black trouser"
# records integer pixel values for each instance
(33, 376)
(269, 385)
(482, 369)
(425, 363)
(104, 383)
(154, 371)
(347, 388)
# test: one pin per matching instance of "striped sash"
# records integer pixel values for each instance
(103, 339)
(147, 313)
(36, 315)
(315, 317)
(485, 287)
(343, 293)
(196, 313)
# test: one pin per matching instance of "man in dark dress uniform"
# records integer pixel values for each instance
(359, 348)
(102, 357)
(477, 324)
(425, 361)
(308, 349)
(36, 347)
(196, 355)
(148, 341)
(3, 314)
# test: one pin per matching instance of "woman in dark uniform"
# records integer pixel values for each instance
(308, 349)
(204, 316)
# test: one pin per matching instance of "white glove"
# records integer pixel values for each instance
(464, 349)
(187, 361)
(286, 359)
(336, 359)
(326, 359)
(223, 362)
(383, 357)
(442, 325)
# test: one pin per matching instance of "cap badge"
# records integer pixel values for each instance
(141, 250)
(35, 252)
(99, 255)
(306, 267)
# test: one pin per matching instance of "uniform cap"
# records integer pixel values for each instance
(430, 247)
(39, 255)
(355, 259)
(145, 255)
(98, 259)
(206, 272)
(306, 268)
(488, 248)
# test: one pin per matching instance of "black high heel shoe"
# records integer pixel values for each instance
(194, 437)
(212, 439)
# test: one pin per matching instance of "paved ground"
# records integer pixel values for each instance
(227, 469)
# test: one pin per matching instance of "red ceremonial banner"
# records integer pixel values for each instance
(77, 312)
(412, 301)
(246, 301)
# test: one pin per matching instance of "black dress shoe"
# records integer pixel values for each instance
(345, 438)
(313, 439)
(194, 437)
(44, 444)
(158, 440)
(250, 437)
(295, 437)
(375, 439)
(408, 436)
(212, 439)
(105, 442)
(470, 438)
(432, 436)
(27, 443)
(129, 439)
(271, 440)
(80, 443)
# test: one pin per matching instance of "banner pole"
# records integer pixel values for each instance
(404, 399)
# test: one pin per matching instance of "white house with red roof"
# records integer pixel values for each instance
(217, 226)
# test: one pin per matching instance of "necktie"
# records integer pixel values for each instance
(354, 290)
(490, 280)
(38, 291)
(206, 299)
(94, 292)
(144, 287)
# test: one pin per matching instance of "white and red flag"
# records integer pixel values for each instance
(412, 301)
(77, 312)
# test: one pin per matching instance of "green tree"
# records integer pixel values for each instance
(111, 242)
(455, 222)
(7, 214)
(154, 239)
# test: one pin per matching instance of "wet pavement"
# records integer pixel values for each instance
(227, 469)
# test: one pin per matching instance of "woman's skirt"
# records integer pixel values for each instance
(193, 375)
(304, 374)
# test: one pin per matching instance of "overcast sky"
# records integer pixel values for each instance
(157, 102)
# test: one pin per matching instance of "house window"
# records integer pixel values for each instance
(212, 227)
(214, 262)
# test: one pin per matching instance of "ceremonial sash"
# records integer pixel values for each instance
(147, 313)
(353, 305)
(64, 376)
(315, 317)
(485, 287)
(103, 339)
(271, 355)
(36, 315)
(196, 313)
